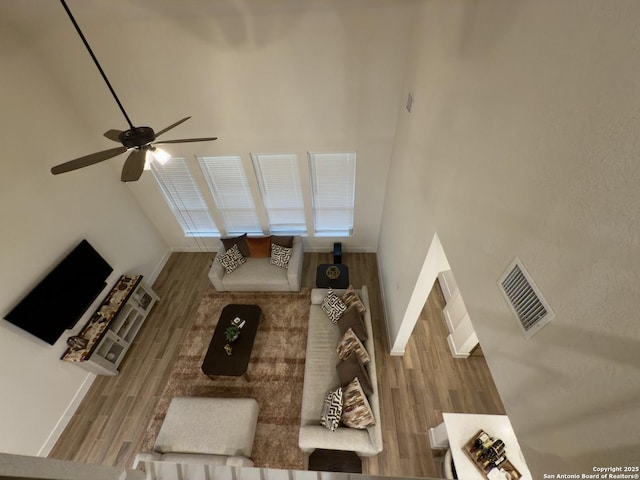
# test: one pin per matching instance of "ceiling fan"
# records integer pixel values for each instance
(139, 140)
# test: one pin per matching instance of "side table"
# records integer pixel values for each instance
(332, 275)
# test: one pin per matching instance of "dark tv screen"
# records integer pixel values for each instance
(64, 294)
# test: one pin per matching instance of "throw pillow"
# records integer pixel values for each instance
(350, 368)
(333, 306)
(350, 343)
(282, 240)
(332, 409)
(240, 241)
(259, 246)
(350, 297)
(280, 256)
(232, 259)
(356, 411)
(351, 318)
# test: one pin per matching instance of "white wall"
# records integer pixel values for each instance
(43, 217)
(399, 328)
(324, 76)
(524, 141)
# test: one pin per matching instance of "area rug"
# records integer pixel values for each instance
(276, 369)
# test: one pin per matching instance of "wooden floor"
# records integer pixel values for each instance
(414, 389)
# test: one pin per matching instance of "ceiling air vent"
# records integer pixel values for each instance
(525, 299)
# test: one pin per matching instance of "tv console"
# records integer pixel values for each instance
(113, 327)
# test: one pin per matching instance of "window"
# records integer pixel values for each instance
(333, 192)
(184, 198)
(231, 193)
(279, 180)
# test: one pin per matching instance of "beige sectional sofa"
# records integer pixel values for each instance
(257, 274)
(320, 377)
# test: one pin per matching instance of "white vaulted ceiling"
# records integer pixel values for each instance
(262, 76)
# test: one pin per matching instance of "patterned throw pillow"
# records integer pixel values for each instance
(351, 343)
(356, 411)
(332, 409)
(280, 256)
(232, 259)
(350, 297)
(333, 306)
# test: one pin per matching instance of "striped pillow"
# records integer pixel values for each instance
(350, 297)
(351, 343)
(356, 411)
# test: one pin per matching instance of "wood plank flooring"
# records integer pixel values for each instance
(414, 389)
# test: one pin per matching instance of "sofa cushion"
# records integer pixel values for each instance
(352, 344)
(352, 367)
(332, 409)
(194, 425)
(232, 259)
(255, 274)
(356, 411)
(350, 297)
(351, 318)
(240, 241)
(259, 247)
(333, 306)
(280, 256)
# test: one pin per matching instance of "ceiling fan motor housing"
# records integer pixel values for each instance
(137, 137)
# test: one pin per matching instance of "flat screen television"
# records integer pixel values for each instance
(63, 295)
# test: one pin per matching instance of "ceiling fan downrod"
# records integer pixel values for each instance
(95, 60)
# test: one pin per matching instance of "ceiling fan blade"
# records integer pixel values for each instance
(134, 166)
(171, 126)
(187, 140)
(87, 160)
(113, 135)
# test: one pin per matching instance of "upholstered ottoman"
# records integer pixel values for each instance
(217, 431)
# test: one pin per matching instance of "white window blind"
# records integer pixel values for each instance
(279, 180)
(231, 193)
(333, 192)
(184, 197)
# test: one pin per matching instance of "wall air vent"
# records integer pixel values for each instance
(525, 299)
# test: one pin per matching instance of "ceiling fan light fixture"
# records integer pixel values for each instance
(160, 155)
(147, 160)
(138, 141)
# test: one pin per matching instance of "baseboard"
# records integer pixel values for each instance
(66, 416)
(385, 313)
(163, 261)
(192, 250)
(454, 351)
(309, 249)
(448, 321)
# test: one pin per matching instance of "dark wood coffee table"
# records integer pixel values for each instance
(216, 361)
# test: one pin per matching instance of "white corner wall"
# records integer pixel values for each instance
(43, 217)
(399, 328)
(320, 77)
(523, 140)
